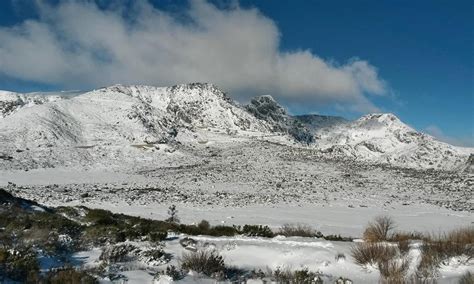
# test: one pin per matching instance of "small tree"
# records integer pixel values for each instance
(379, 230)
(173, 214)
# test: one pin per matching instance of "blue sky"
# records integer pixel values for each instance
(412, 58)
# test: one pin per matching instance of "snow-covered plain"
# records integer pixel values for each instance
(140, 149)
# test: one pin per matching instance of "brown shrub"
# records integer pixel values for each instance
(444, 246)
(394, 271)
(379, 229)
(467, 278)
(372, 253)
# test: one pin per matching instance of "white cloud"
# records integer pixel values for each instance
(76, 44)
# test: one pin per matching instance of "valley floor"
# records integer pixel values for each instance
(263, 183)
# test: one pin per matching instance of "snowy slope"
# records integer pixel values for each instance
(10, 102)
(111, 124)
(383, 138)
(122, 126)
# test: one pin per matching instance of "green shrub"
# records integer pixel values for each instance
(298, 230)
(337, 238)
(257, 231)
(100, 217)
(223, 231)
(207, 262)
(69, 276)
(19, 264)
(157, 236)
(204, 226)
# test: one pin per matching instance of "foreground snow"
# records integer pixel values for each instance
(331, 260)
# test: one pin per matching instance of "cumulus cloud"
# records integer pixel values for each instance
(76, 44)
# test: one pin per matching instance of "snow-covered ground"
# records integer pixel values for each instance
(330, 259)
(139, 149)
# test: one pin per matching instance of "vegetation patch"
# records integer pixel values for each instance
(299, 230)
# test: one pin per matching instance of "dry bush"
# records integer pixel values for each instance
(455, 243)
(394, 271)
(298, 230)
(372, 253)
(401, 236)
(379, 229)
(404, 246)
(467, 278)
(207, 262)
(437, 249)
(428, 266)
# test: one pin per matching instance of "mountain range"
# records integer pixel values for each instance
(113, 125)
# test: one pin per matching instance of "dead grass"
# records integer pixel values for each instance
(437, 249)
(372, 253)
(394, 271)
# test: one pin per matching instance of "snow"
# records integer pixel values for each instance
(139, 149)
(100, 129)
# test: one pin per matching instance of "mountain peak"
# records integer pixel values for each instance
(381, 117)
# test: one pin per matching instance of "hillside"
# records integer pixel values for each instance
(122, 126)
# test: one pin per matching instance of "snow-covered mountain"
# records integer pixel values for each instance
(76, 130)
(11, 102)
(383, 138)
(106, 127)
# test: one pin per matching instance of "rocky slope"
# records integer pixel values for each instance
(124, 126)
(383, 138)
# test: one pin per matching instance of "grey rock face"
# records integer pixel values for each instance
(266, 108)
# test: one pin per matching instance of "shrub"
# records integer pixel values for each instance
(429, 262)
(402, 236)
(157, 236)
(207, 262)
(303, 276)
(187, 242)
(19, 264)
(290, 230)
(404, 246)
(223, 231)
(343, 280)
(100, 217)
(444, 246)
(173, 272)
(379, 229)
(257, 231)
(204, 226)
(337, 238)
(69, 275)
(467, 278)
(118, 253)
(394, 270)
(372, 253)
